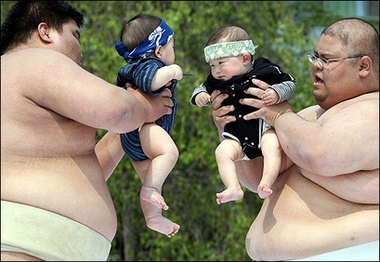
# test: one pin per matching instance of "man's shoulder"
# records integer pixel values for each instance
(357, 107)
(361, 100)
(30, 54)
(368, 101)
(370, 96)
(32, 63)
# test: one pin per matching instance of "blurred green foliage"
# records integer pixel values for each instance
(283, 32)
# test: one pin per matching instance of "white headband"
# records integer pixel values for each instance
(228, 49)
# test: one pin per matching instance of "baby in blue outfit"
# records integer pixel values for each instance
(150, 57)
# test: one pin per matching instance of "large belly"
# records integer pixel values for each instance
(72, 187)
(301, 219)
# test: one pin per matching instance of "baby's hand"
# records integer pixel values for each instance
(202, 99)
(270, 97)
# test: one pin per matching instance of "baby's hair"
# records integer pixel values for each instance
(137, 29)
(228, 34)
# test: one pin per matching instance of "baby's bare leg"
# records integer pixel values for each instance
(163, 153)
(152, 195)
(264, 190)
(227, 152)
(272, 161)
(155, 221)
(153, 214)
(230, 194)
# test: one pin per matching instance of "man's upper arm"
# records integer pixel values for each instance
(74, 93)
(345, 141)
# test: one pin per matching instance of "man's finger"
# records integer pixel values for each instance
(257, 103)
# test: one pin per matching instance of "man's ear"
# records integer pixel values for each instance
(157, 52)
(365, 66)
(247, 58)
(43, 32)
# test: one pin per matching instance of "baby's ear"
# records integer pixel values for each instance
(157, 52)
(247, 58)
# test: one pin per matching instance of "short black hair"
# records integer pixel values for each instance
(24, 17)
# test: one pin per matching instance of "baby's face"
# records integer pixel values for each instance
(167, 52)
(227, 67)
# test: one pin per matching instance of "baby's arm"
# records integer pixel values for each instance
(270, 96)
(284, 91)
(165, 74)
(202, 99)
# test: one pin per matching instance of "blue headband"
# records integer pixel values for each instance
(160, 36)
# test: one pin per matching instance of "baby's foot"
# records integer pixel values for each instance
(163, 225)
(152, 196)
(264, 190)
(229, 195)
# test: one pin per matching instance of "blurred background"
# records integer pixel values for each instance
(285, 32)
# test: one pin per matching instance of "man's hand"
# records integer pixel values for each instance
(269, 114)
(156, 106)
(219, 114)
